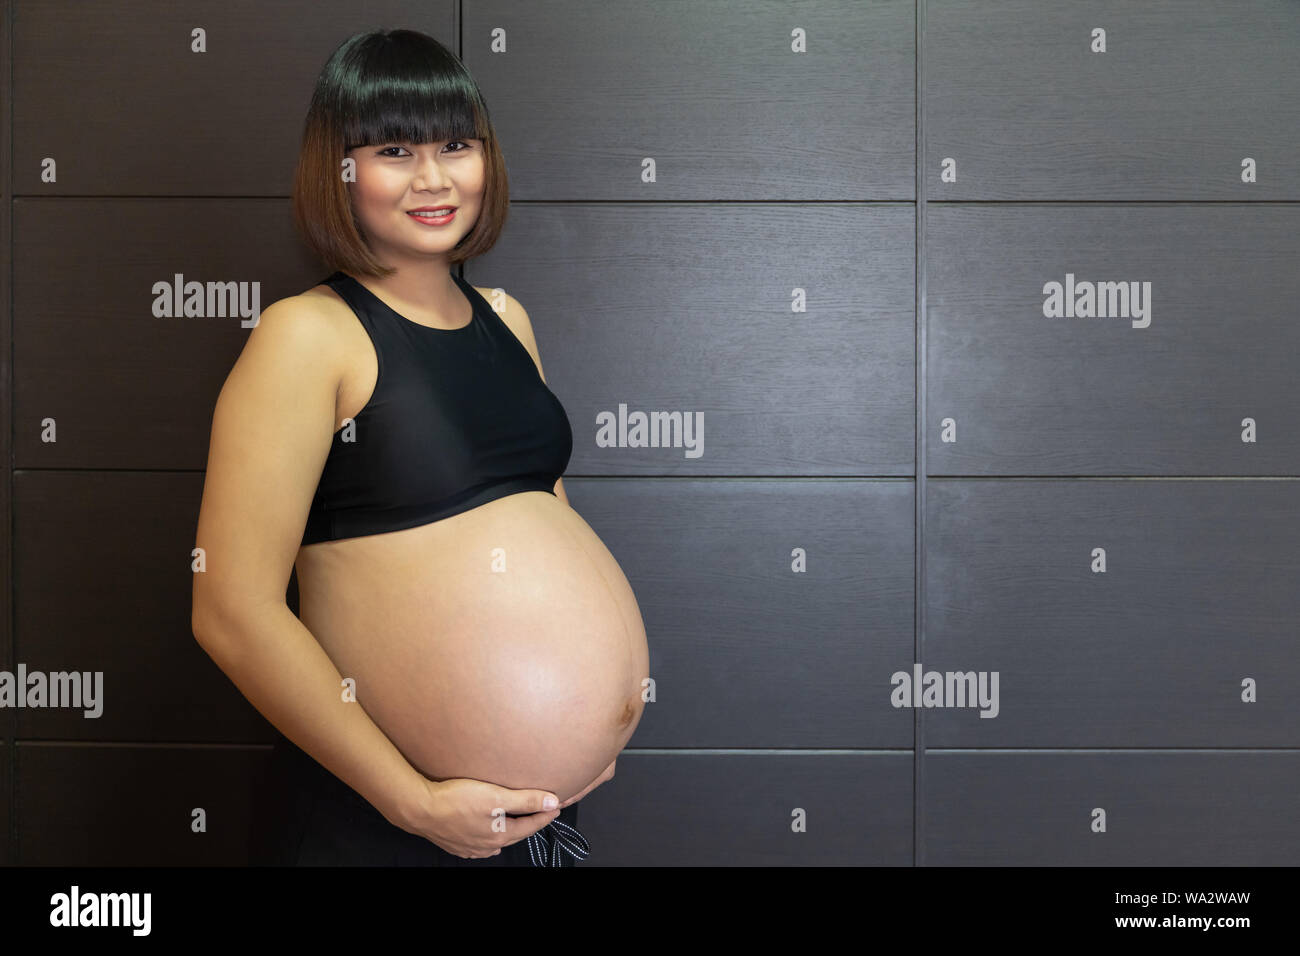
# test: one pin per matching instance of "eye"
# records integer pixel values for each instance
(388, 150)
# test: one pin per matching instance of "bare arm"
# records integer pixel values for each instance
(271, 432)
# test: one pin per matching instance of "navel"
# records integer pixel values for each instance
(628, 713)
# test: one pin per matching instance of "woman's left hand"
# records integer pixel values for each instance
(606, 775)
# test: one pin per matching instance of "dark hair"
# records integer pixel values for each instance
(380, 87)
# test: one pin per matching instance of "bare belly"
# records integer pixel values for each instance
(502, 644)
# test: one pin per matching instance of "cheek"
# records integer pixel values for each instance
(362, 195)
(376, 187)
(475, 179)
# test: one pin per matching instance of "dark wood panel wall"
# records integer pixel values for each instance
(989, 308)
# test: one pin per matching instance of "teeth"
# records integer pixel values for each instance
(435, 214)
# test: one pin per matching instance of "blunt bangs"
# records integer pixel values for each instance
(404, 92)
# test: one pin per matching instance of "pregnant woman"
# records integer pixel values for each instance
(467, 647)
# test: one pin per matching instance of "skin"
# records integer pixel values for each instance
(392, 178)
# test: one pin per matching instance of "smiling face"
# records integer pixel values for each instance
(392, 179)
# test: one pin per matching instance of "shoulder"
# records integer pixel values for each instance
(512, 314)
(516, 320)
(314, 321)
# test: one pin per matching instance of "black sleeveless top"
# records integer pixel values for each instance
(458, 418)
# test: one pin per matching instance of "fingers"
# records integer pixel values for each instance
(510, 830)
(525, 801)
(531, 804)
(478, 819)
(521, 828)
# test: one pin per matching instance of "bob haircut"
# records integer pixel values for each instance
(390, 86)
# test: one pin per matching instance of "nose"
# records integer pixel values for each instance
(429, 173)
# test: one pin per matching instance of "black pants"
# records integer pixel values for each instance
(306, 816)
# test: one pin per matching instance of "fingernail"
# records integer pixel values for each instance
(550, 803)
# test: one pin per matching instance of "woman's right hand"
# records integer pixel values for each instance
(468, 818)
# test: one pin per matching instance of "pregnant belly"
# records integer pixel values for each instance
(502, 644)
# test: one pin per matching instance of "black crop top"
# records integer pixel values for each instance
(458, 418)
